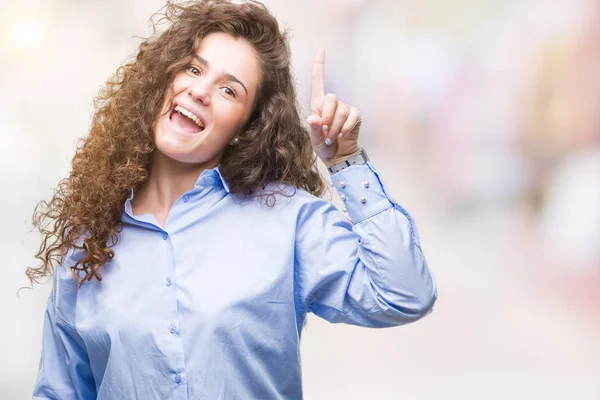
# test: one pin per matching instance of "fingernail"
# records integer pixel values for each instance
(328, 141)
(325, 128)
(340, 134)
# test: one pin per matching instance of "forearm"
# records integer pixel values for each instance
(390, 245)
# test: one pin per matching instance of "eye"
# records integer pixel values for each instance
(230, 92)
(194, 70)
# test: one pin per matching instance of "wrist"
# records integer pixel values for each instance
(359, 157)
(334, 161)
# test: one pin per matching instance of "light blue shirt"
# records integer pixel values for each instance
(213, 305)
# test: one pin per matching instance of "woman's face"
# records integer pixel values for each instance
(212, 101)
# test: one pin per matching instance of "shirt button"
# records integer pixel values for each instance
(165, 235)
(363, 200)
(168, 282)
(186, 198)
(173, 330)
(343, 184)
(177, 379)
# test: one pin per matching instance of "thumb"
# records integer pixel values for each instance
(314, 124)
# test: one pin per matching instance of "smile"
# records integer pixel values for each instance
(187, 121)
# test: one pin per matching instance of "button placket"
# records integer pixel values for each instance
(172, 327)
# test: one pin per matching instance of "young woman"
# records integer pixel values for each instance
(190, 237)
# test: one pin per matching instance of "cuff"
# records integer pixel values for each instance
(362, 191)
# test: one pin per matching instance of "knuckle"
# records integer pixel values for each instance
(331, 96)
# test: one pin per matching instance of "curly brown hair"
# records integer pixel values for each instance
(86, 208)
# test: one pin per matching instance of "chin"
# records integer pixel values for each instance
(186, 152)
(177, 153)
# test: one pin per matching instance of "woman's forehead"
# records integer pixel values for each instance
(229, 55)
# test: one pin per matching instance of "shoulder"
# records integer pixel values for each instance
(300, 200)
(285, 203)
(65, 288)
(312, 215)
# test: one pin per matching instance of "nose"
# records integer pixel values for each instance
(199, 93)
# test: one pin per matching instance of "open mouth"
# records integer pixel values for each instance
(186, 120)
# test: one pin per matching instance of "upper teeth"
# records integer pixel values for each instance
(190, 115)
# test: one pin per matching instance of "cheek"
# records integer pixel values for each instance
(166, 104)
(178, 84)
(229, 116)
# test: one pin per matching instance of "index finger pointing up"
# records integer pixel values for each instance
(318, 79)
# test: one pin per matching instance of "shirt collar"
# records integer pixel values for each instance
(215, 172)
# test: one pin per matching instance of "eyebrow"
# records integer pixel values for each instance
(227, 74)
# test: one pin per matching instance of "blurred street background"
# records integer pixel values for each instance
(483, 118)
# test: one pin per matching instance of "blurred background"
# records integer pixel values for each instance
(483, 118)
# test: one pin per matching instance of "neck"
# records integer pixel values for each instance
(168, 179)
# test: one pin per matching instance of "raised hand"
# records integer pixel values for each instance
(334, 125)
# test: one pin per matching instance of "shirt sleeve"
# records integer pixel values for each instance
(64, 371)
(370, 271)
